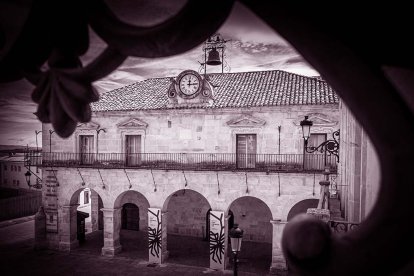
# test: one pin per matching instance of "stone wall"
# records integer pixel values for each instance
(187, 212)
(112, 184)
(359, 169)
(208, 131)
(253, 216)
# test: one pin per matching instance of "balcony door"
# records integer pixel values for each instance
(316, 160)
(133, 149)
(86, 148)
(246, 150)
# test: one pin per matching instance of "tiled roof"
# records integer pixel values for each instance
(246, 89)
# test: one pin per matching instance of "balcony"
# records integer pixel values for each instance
(186, 161)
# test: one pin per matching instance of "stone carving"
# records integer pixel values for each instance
(246, 121)
(133, 123)
(318, 119)
(87, 126)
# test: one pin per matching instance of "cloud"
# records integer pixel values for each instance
(252, 46)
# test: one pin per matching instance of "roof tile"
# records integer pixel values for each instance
(246, 89)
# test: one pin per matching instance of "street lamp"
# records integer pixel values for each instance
(50, 140)
(37, 150)
(331, 146)
(37, 185)
(97, 139)
(37, 132)
(236, 235)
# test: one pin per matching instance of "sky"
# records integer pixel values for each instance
(252, 46)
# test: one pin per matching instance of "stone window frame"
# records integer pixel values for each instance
(257, 129)
(81, 133)
(126, 132)
(138, 127)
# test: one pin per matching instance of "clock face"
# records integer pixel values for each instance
(189, 84)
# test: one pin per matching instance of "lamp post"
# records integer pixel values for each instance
(97, 138)
(37, 150)
(50, 140)
(331, 146)
(38, 185)
(236, 235)
(37, 132)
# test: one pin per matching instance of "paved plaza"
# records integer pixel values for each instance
(188, 256)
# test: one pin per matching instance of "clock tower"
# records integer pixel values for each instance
(190, 88)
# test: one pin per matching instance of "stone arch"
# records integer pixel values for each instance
(247, 209)
(135, 197)
(288, 205)
(254, 217)
(301, 207)
(198, 208)
(186, 227)
(71, 230)
(267, 200)
(133, 240)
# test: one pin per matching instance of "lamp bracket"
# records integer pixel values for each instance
(331, 146)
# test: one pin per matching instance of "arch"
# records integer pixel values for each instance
(253, 216)
(82, 217)
(301, 207)
(133, 223)
(247, 209)
(135, 197)
(186, 219)
(182, 192)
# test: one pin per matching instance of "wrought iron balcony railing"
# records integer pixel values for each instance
(186, 161)
(342, 226)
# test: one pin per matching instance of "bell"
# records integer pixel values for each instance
(213, 57)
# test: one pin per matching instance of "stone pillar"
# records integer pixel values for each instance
(94, 211)
(157, 235)
(68, 227)
(112, 227)
(164, 232)
(278, 265)
(218, 240)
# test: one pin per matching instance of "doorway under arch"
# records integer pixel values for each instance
(86, 220)
(133, 231)
(130, 217)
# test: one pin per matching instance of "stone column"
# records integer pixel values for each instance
(68, 227)
(218, 240)
(278, 265)
(112, 227)
(94, 211)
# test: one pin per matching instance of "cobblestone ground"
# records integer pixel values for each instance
(187, 257)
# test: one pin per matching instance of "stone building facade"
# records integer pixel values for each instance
(12, 172)
(191, 162)
(359, 169)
